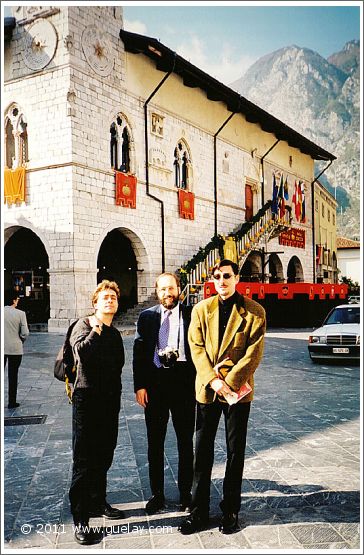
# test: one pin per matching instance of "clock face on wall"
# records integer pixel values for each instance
(39, 44)
(98, 51)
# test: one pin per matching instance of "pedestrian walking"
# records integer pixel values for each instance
(99, 354)
(226, 337)
(15, 333)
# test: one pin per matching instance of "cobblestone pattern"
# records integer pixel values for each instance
(302, 473)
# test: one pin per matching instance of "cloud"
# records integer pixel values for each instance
(135, 26)
(226, 67)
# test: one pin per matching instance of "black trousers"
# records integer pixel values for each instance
(14, 362)
(236, 423)
(95, 419)
(172, 394)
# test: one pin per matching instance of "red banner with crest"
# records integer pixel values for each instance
(293, 238)
(186, 202)
(125, 189)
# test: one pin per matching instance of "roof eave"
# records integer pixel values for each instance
(167, 60)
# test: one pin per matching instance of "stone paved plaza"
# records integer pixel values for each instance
(301, 486)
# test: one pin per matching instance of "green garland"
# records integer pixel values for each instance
(218, 242)
(247, 226)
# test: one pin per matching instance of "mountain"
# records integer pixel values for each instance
(348, 59)
(320, 99)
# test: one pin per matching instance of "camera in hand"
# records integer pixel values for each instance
(168, 356)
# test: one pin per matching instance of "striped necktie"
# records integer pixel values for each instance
(163, 336)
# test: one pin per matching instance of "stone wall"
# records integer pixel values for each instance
(69, 106)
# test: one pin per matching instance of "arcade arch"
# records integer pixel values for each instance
(251, 270)
(26, 264)
(275, 269)
(122, 257)
(294, 270)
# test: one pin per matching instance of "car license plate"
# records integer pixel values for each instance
(340, 351)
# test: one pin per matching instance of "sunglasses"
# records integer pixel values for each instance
(225, 276)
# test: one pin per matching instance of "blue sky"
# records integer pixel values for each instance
(225, 40)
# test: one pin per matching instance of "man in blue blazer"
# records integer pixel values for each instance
(164, 384)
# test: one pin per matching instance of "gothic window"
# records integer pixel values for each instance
(16, 138)
(182, 166)
(113, 146)
(10, 144)
(125, 151)
(23, 141)
(120, 145)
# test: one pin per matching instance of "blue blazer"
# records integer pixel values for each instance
(145, 373)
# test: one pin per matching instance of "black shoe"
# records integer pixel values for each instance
(193, 523)
(155, 503)
(13, 405)
(185, 502)
(108, 511)
(229, 523)
(86, 535)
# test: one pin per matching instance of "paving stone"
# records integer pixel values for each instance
(308, 534)
(214, 539)
(271, 537)
(301, 478)
(349, 531)
(334, 545)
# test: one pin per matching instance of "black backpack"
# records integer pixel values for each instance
(65, 365)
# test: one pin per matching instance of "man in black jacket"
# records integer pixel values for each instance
(99, 353)
(164, 384)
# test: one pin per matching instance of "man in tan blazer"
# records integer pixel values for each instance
(226, 337)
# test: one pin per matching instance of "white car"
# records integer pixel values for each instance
(339, 335)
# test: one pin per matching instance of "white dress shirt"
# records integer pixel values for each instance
(175, 324)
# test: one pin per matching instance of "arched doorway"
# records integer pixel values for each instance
(26, 266)
(117, 261)
(275, 269)
(294, 270)
(252, 268)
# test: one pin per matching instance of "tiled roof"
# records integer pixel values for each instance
(344, 243)
(168, 61)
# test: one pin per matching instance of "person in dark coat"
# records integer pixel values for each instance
(99, 353)
(164, 386)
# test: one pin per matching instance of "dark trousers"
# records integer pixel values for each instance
(95, 418)
(236, 423)
(171, 395)
(13, 368)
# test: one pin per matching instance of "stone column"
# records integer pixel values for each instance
(70, 296)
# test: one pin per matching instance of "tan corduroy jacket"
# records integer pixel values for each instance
(243, 342)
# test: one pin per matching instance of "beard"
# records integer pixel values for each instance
(170, 302)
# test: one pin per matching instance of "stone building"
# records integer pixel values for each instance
(348, 259)
(92, 112)
(325, 235)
